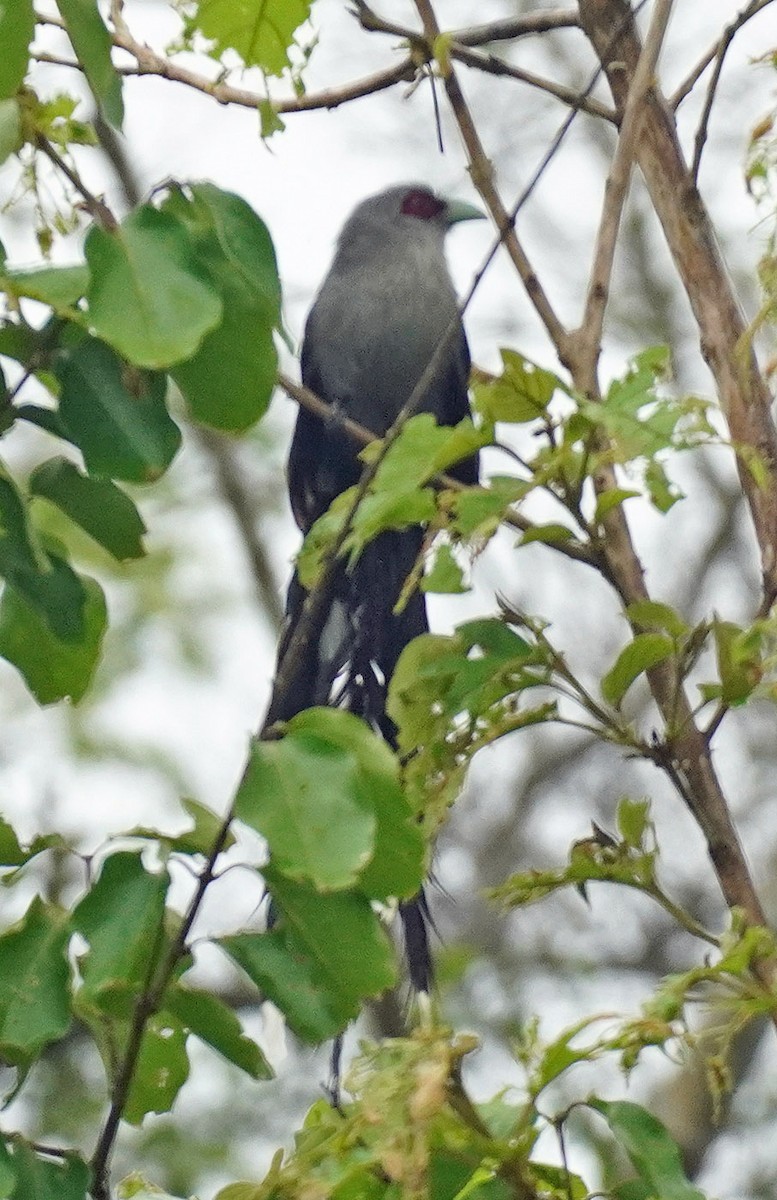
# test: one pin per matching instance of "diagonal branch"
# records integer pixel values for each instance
(723, 332)
(689, 83)
(482, 174)
(686, 758)
(727, 37)
(149, 62)
(491, 65)
(616, 190)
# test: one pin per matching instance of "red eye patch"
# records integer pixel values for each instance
(420, 203)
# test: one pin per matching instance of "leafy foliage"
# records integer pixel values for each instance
(180, 302)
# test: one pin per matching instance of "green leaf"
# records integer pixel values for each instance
(303, 795)
(7, 1172)
(17, 26)
(92, 44)
(59, 287)
(47, 583)
(34, 984)
(663, 493)
(522, 392)
(161, 1070)
(479, 511)
(341, 933)
(13, 854)
(288, 976)
(120, 917)
(446, 576)
(327, 956)
(653, 1154)
(652, 614)
(270, 120)
(149, 296)
(645, 651)
(20, 341)
(41, 1178)
(213, 1023)
(633, 821)
(397, 865)
(100, 508)
(201, 838)
(52, 669)
(44, 418)
(551, 534)
(261, 31)
(740, 663)
(228, 382)
(11, 138)
(116, 415)
(610, 499)
(135, 1187)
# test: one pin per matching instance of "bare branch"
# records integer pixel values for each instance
(150, 63)
(693, 77)
(727, 37)
(243, 507)
(685, 758)
(508, 29)
(492, 65)
(616, 190)
(482, 174)
(97, 208)
(511, 28)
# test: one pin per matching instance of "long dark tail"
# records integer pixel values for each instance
(349, 661)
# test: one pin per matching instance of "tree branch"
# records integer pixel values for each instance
(482, 174)
(491, 65)
(589, 335)
(689, 83)
(723, 333)
(685, 758)
(97, 208)
(727, 37)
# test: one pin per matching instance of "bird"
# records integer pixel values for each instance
(379, 319)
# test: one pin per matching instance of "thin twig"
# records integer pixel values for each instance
(508, 29)
(97, 208)
(236, 497)
(482, 174)
(727, 37)
(491, 65)
(689, 83)
(616, 190)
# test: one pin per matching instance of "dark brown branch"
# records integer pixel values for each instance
(482, 174)
(508, 29)
(723, 333)
(237, 499)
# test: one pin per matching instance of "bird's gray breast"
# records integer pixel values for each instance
(374, 329)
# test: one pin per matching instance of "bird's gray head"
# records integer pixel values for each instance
(410, 210)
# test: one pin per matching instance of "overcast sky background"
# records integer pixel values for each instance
(304, 183)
